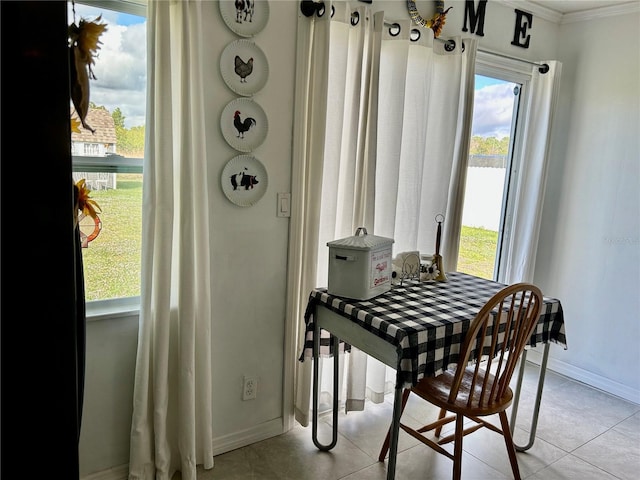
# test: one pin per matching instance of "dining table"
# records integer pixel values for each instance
(417, 328)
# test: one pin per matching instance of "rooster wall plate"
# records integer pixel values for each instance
(244, 124)
(245, 17)
(244, 180)
(244, 67)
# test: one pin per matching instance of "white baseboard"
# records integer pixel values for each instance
(247, 437)
(220, 445)
(116, 473)
(584, 376)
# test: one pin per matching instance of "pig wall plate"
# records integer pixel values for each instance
(244, 124)
(245, 18)
(244, 180)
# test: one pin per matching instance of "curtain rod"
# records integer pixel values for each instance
(542, 67)
(450, 45)
(308, 8)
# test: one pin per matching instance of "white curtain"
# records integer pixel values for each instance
(380, 123)
(334, 144)
(172, 410)
(426, 106)
(523, 242)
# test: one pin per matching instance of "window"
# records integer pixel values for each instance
(110, 160)
(501, 87)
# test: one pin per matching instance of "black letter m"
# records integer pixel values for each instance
(476, 19)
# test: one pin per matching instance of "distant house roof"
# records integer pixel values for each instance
(102, 122)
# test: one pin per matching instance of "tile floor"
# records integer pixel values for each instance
(583, 433)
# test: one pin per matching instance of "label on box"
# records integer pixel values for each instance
(380, 268)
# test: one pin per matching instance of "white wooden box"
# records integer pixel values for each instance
(360, 266)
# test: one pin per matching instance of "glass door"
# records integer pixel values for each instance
(489, 173)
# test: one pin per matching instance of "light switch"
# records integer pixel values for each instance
(284, 205)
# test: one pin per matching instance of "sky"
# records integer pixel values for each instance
(493, 108)
(120, 71)
(121, 62)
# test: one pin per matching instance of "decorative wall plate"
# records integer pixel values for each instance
(244, 180)
(245, 17)
(244, 124)
(244, 67)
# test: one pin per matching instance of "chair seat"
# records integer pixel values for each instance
(437, 390)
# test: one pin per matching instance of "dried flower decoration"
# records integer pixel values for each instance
(84, 43)
(83, 202)
(75, 125)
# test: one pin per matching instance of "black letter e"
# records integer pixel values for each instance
(523, 20)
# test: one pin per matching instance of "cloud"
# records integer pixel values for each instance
(493, 110)
(120, 66)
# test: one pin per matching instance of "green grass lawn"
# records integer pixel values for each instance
(112, 260)
(477, 251)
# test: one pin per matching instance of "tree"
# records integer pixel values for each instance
(488, 146)
(96, 107)
(118, 117)
(129, 142)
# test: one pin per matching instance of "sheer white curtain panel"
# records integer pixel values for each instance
(312, 58)
(528, 202)
(334, 148)
(172, 406)
(389, 118)
(425, 105)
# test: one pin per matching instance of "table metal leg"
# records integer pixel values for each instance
(395, 428)
(316, 359)
(536, 408)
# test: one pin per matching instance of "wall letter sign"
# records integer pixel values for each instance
(476, 19)
(523, 20)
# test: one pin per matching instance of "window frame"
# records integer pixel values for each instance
(112, 163)
(519, 72)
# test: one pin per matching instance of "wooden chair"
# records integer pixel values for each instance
(479, 385)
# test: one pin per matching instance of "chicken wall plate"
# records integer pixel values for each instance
(245, 17)
(244, 124)
(244, 180)
(244, 67)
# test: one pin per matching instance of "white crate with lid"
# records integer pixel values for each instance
(360, 266)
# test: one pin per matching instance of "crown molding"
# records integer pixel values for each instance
(538, 10)
(559, 18)
(596, 13)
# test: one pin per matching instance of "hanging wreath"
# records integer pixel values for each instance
(83, 203)
(435, 23)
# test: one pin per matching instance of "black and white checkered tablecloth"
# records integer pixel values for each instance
(427, 320)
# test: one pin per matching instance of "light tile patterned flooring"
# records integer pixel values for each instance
(583, 433)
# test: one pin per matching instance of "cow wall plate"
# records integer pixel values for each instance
(244, 67)
(244, 124)
(244, 180)
(245, 17)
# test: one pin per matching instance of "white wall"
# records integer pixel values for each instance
(589, 254)
(588, 248)
(108, 394)
(250, 244)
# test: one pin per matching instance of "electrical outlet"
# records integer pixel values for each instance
(249, 388)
